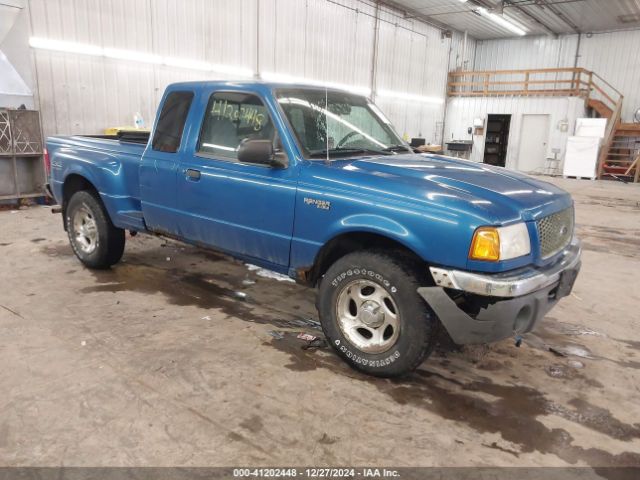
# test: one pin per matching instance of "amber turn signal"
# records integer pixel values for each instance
(485, 245)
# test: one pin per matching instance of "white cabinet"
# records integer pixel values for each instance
(581, 157)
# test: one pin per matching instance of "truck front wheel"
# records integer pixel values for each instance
(372, 315)
(94, 239)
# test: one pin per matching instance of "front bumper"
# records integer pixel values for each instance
(515, 301)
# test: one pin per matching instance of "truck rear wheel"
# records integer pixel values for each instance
(373, 316)
(94, 239)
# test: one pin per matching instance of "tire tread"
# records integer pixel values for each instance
(114, 243)
(413, 275)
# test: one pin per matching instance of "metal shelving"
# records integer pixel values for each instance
(22, 170)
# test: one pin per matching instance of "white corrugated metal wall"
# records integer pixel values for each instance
(526, 53)
(327, 40)
(462, 111)
(613, 55)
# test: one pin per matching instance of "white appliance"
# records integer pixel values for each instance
(581, 157)
(591, 127)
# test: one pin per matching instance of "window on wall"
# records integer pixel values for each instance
(168, 133)
(231, 118)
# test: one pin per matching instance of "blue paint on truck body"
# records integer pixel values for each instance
(280, 218)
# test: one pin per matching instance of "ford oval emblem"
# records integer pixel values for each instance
(563, 230)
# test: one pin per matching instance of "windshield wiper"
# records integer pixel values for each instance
(397, 148)
(347, 151)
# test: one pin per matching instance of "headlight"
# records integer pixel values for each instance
(500, 243)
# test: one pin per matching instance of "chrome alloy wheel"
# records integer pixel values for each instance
(368, 316)
(85, 230)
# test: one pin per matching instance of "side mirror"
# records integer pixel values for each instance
(261, 152)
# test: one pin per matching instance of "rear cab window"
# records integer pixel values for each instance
(170, 127)
(230, 119)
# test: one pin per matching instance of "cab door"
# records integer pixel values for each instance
(245, 209)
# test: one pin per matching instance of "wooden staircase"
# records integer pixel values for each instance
(600, 108)
(621, 156)
(620, 152)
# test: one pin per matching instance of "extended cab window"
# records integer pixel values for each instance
(230, 118)
(168, 134)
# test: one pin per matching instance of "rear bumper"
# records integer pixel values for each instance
(517, 300)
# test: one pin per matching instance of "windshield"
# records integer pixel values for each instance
(350, 125)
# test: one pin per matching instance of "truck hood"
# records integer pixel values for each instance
(503, 194)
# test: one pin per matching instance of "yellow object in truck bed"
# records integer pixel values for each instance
(116, 130)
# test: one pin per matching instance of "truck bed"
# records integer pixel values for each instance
(93, 157)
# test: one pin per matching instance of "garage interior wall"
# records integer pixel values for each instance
(612, 55)
(325, 40)
(462, 111)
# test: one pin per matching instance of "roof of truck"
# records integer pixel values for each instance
(255, 85)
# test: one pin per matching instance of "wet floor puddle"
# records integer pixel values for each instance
(552, 336)
(513, 412)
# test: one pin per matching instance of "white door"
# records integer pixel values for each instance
(534, 137)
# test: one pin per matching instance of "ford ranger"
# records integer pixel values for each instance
(315, 183)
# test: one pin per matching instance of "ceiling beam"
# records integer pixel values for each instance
(504, 4)
(411, 13)
(559, 14)
(534, 19)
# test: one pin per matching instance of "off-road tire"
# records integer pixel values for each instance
(109, 244)
(419, 326)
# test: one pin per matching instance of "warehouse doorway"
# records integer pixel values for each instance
(534, 137)
(497, 140)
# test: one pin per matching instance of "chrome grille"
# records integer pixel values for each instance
(555, 232)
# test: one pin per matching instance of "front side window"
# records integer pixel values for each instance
(168, 133)
(231, 118)
(333, 123)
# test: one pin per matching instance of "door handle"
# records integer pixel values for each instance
(192, 174)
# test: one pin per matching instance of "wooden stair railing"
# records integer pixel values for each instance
(535, 82)
(621, 156)
(635, 166)
(609, 136)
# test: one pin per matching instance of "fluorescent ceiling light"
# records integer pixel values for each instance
(189, 64)
(219, 147)
(502, 21)
(410, 97)
(284, 78)
(134, 56)
(61, 46)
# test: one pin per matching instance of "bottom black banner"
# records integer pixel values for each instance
(426, 473)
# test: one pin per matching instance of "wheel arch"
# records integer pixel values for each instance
(353, 241)
(73, 183)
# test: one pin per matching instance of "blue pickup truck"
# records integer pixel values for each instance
(316, 184)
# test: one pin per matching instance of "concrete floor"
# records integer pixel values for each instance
(171, 359)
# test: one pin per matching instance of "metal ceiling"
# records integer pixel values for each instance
(538, 17)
